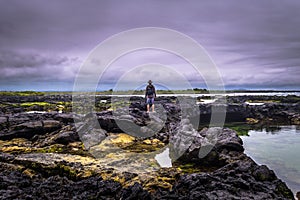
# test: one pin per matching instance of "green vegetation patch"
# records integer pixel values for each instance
(242, 129)
(21, 93)
(264, 101)
(29, 104)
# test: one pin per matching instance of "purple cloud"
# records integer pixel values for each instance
(255, 44)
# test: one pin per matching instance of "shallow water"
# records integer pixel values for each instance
(279, 150)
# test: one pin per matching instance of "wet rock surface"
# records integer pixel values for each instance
(44, 155)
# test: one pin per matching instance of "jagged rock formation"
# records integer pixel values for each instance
(44, 156)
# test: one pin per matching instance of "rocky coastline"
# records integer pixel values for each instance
(43, 155)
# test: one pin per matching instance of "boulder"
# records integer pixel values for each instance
(17, 185)
(66, 137)
(29, 129)
(25, 130)
(228, 139)
(51, 125)
(109, 124)
(29, 125)
(3, 120)
(205, 146)
(64, 117)
(93, 137)
(17, 119)
(3, 123)
(262, 173)
(229, 182)
(134, 192)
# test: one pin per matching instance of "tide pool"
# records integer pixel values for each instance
(279, 150)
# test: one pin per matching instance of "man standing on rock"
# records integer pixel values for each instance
(150, 94)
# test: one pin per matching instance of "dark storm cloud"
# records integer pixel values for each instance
(33, 69)
(55, 26)
(18, 60)
(254, 43)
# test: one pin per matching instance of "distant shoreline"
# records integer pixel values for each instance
(203, 92)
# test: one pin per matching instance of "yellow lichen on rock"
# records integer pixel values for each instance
(122, 139)
(15, 142)
(147, 141)
(252, 121)
(155, 184)
(156, 141)
(16, 149)
(295, 121)
(29, 172)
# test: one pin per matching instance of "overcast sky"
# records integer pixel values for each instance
(255, 44)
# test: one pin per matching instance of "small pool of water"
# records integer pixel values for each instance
(279, 150)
